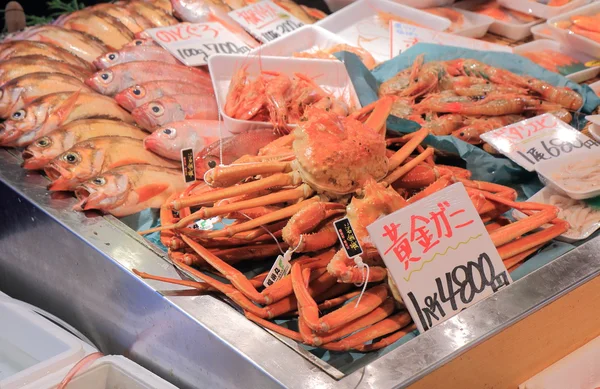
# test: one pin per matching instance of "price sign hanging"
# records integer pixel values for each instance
(439, 255)
(188, 166)
(540, 138)
(404, 36)
(192, 44)
(266, 21)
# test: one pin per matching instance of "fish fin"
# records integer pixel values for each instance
(65, 108)
(146, 192)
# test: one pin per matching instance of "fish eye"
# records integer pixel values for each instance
(139, 42)
(99, 181)
(170, 132)
(112, 56)
(212, 164)
(106, 76)
(71, 157)
(43, 142)
(157, 109)
(138, 91)
(19, 115)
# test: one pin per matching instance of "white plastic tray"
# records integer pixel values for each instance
(545, 44)
(476, 25)
(546, 169)
(540, 10)
(570, 236)
(425, 3)
(331, 75)
(359, 25)
(514, 31)
(544, 31)
(595, 87)
(32, 347)
(576, 41)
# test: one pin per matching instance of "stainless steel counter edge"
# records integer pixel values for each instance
(213, 345)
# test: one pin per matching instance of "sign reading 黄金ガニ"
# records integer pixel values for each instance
(266, 20)
(188, 166)
(193, 43)
(538, 139)
(439, 255)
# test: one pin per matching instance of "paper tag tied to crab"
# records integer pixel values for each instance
(205, 224)
(188, 166)
(280, 269)
(347, 237)
(265, 20)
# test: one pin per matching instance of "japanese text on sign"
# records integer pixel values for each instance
(280, 269)
(266, 20)
(538, 139)
(187, 164)
(348, 238)
(192, 44)
(439, 255)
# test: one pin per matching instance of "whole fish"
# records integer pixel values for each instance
(133, 54)
(20, 66)
(169, 109)
(82, 45)
(112, 81)
(234, 147)
(102, 26)
(155, 15)
(94, 156)
(168, 141)
(19, 92)
(134, 22)
(165, 5)
(129, 189)
(137, 95)
(16, 49)
(49, 112)
(56, 142)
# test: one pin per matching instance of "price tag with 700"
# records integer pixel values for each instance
(266, 20)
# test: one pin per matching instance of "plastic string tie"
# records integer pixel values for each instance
(79, 366)
(270, 233)
(361, 265)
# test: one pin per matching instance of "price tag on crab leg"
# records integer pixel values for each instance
(188, 165)
(538, 139)
(266, 20)
(439, 255)
(193, 43)
(280, 269)
(346, 234)
(404, 36)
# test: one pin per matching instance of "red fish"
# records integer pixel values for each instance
(169, 109)
(133, 54)
(137, 95)
(174, 137)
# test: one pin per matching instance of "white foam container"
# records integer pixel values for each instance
(330, 75)
(544, 31)
(356, 24)
(545, 44)
(425, 3)
(595, 87)
(578, 42)
(540, 10)
(514, 31)
(539, 197)
(545, 169)
(594, 127)
(476, 25)
(578, 370)
(31, 347)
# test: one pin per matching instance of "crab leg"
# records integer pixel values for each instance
(402, 170)
(532, 240)
(221, 176)
(514, 260)
(239, 254)
(344, 270)
(306, 220)
(407, 149)
(337, 301)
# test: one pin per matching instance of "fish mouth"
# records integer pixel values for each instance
(59, 178)
(99, 63)
(83, 194)
(149, 143)
(124, 102)
(31, 161)
(141, 119)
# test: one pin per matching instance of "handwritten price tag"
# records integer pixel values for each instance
(266, 20)
(440, 255)
(192, 44)
(538, 139)
(404, 36)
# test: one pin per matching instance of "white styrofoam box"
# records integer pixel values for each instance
(32, 347)
(580, 369)
(578, 42)
(546, 170)
(359, 24)
(595, 87)
(544, 31)
(330, 75)
(476, 25)
(545, 44)
(425, 3)
(539, 9)
(594, 127)
(514, 31)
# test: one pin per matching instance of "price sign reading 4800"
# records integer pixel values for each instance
(440, 255)
(266, 20)
(538, 139)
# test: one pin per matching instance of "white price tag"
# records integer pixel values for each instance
(280, 269)
(538, 139)
(404, 36)
(439, 255)
(266, 20)
(192, 44)
(205, 224)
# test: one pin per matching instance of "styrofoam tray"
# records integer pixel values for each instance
(330, 75)
(544, 31)
(540, 10)
(359, 25)
(594, 127)
(476, 25)
(545, 44)
(578, 42)
(570, 236)
(546, 169)
(425, 3)
(514, 31)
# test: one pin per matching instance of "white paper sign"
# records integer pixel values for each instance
(404, 36)
(265, 20)
(280, 269)
(538, 139)
(192, 44)
(440, 255)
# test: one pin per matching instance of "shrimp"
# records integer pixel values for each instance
(471, 133)
(492, 105)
